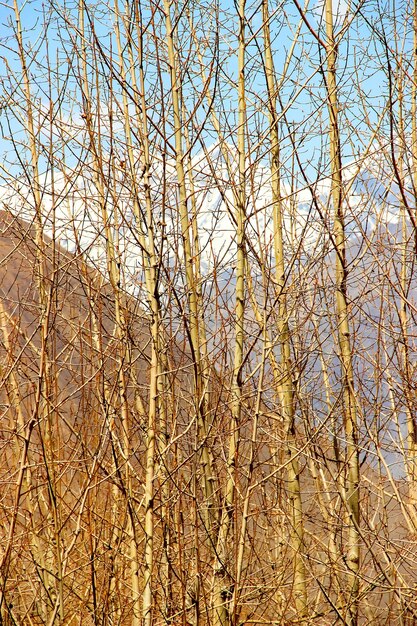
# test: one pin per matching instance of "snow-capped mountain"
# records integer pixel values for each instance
(72, 206)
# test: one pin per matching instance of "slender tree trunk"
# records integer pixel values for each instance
(342, 312)
(123, 355)
(43, 411)
(285, 385)
(222, 585)
(195, 319)
(410, 397)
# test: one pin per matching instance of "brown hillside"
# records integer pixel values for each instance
(73, 472)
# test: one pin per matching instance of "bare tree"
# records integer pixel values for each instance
(207, 314)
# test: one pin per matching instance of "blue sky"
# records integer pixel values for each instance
(361, 68)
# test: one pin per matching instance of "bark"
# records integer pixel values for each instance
(285, 385)
(349, 407)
